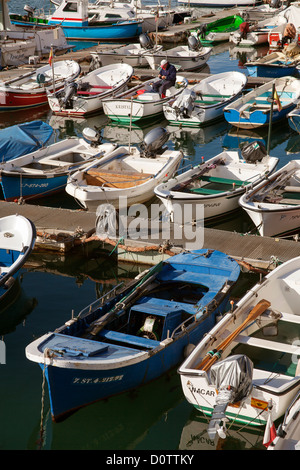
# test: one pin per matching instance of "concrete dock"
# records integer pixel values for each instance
(61, 230)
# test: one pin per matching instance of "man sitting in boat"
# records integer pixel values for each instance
(167, 75)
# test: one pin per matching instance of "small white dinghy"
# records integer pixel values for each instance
(204, 102)
(274, 205)
(217, 184)
(245, 369)
(132, 54)
(140, 102)
(190, 57)
(17, 239)
(84, 96)
(126, 173)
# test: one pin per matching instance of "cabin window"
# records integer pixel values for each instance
(111, 15)
(71, 6)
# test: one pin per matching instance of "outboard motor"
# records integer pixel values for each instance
(145, 41)
(201, 31)
(154, 141)
(275, 3)
(184, 103)
(194, 43)
(93, 136)
(254, 152)
(70, 90)
(232, 377)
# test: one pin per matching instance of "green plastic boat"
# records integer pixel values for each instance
(219, 30)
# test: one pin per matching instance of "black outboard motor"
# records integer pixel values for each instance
(194, 43)
(201, 31)
(154, 141)
(70, 90)
(254, 152)
(184, 103)
(145, 41)
(275, 3)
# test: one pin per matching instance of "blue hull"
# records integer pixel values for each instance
(14, 188)
(271, 71)
(256, 118)
(70, 389)
(189, 289)
(113, 32)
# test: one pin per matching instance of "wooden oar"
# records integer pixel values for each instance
(213, 356)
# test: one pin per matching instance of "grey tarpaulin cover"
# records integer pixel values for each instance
(232, 377)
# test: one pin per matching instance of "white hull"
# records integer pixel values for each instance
(180, 56)
(220, 202)
(220, 3)
(102, 82)
(253, 39)
(212, 95)
(288, 436)
(281, 289)
(131, 106)
(132, 54)
(282, 215)
(122, 174)
(15, 53)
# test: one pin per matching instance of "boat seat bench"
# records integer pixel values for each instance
(224, 181)
(139, 341)
(96, 177)
(214, 179)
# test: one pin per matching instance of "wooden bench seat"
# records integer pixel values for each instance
(109, 178)
(215, 179)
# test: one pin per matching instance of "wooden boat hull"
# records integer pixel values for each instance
(132, 107)
(26, 92)
(215, 202)
(104, 82)
(212, 95)
(280, 217)
(44, 172)
(17, 239)
(95, 186)
(180, 56)
(272, 391)
(254, 109)
(103, 369)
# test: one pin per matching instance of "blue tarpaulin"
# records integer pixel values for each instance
(23, 138)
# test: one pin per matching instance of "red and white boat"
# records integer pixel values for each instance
(30, 90)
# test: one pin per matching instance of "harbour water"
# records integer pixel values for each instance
(155, 417)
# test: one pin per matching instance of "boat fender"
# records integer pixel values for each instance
(188, 349)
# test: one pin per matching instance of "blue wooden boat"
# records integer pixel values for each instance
(73, 17)
(134, 334)
(23, 138)
(294, 119)
(254, 109)
(45, 171)
(17, 239)
(273, 65)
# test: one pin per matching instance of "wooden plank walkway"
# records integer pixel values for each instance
(62, 229)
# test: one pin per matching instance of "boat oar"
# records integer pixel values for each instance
(213, 356)
(126, 301)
